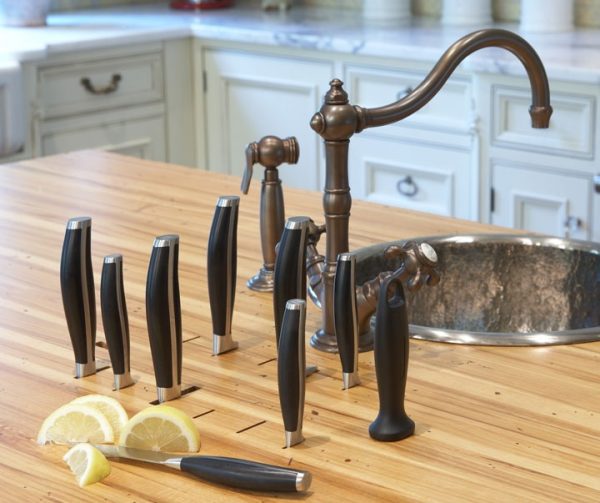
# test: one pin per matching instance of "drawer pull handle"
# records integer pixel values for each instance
(573, 224)
(404, 93)
(110, 88)
(407, 187)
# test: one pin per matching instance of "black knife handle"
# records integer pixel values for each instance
(114, 313)
(289, 278)
(163, 315)
(291, 369)
(244, 474)
(222, 263)
(345, 317)
(77, 288)
(391, 363)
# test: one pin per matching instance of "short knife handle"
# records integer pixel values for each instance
(222, 263)
(163, 315)
(289, 278)
(345, 313)
(77, 288)
(243, 474)
(114, 313)
(291, 369)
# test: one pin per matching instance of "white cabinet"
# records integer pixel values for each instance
(250, 95)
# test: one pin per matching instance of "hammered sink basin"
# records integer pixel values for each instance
(503, 290)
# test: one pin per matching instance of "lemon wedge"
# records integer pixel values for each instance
(111, 408)
(87, 463)
(161, 428)
(76, 423)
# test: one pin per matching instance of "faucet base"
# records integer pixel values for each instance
(327, 343)
(262, 281)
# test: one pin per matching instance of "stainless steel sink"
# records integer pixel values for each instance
(504, 290)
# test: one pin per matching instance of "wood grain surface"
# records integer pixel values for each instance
(493, 424)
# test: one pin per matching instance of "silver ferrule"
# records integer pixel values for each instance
(228, 201)
(79, 223)
(166, 394)
(345, 257)
(297, 222)
(223, 344)
(303, 481)
(295, 304)
(123, 381)
(350, 379)
(115, 258)
(85, 369)
(293, 437)
(166, 241)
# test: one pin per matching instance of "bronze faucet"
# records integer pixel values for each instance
(338, 120)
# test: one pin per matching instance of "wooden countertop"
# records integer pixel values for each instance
(493, 424)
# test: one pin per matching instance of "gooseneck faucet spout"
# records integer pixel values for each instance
(338, 120)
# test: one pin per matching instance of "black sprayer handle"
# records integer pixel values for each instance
(291, 369)
(345, 312)
(391, 363)
(77, 288)
(243, 474)
(289, 278)
(163, 315)
(114, 313)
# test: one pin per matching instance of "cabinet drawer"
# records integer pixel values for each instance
(449, 110)
(119, 81)
(572, 126)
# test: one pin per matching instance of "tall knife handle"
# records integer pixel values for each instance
(345, 317)
(114, 319)
(77, 287)
(289, 280)
(163, 315)
(244, 474)
(222, 271)
(291, 369)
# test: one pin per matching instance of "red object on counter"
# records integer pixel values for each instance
(202, 4)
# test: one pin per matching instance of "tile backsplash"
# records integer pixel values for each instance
(587, 12)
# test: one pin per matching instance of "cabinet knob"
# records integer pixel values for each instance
(110, 88)
(407, 187)
(573, 224)
(597, 183)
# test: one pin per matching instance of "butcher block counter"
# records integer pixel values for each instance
(492, 424)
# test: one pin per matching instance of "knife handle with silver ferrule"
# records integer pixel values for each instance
(163, 315)
(289, 280)
(291, 369)
(114, 319)
(77, 288)
(222, 271)
(345, 318)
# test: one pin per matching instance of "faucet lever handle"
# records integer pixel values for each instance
(251, 158)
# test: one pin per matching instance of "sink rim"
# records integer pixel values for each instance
(547, 338)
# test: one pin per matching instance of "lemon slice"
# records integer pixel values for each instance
(76, 423)
(161, 428)
(87, 463)
(111, 408)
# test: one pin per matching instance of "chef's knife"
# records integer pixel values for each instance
(291, 367)
(114, 319)
(345, 317)
(222, 270)
(163, 315)
(77, 287)
(232, 472)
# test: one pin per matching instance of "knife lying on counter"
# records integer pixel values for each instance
(221, 270)
(232, 472)
(77, 288)
(114, 319)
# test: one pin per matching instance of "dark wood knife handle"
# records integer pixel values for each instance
(344, 311)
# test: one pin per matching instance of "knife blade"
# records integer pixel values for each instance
(291, 370)
(232, 472)
(222, 270)
(163, 315)
(114, 319)
(77, 289)
(345, 319)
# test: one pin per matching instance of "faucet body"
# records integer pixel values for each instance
(338, 120)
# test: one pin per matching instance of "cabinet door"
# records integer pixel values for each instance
(249, 96)
(543, 201)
